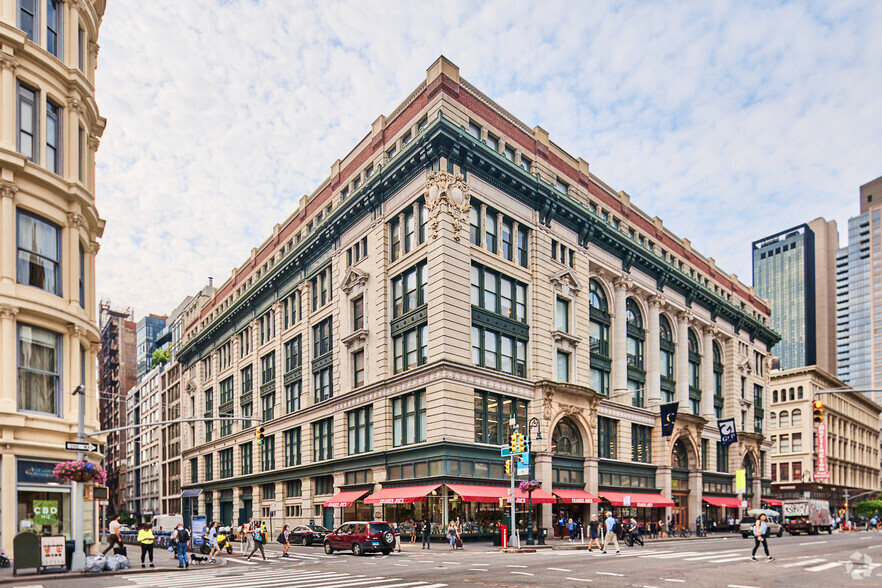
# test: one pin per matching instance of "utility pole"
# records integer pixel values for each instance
(78, 563)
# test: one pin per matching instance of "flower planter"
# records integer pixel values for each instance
(82, 476)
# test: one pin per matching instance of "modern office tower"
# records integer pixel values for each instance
(49, 226)
(795, 271)
(149, 330)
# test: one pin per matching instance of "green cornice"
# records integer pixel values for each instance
(443, 138)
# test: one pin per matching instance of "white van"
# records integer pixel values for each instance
(166, 523)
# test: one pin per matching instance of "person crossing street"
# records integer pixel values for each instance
(594, 533)
(760, 534)
(611, 529)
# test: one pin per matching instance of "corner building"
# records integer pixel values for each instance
(49, 226)
(456, 271)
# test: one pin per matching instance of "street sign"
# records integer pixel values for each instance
(77, 446)
(523, 469)
(272, 508)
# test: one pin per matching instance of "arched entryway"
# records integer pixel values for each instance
(680, 484)
(567, 467)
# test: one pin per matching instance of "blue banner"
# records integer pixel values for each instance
(728, 435)
(36, 472)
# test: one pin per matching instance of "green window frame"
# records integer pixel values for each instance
(246, 463)
(641, 443)
(409, 418)
(292, 447)
(493, 413)
(607, 438)
(323, 439)
(360, 430)
(268, 454)
(225, 457)
(409, 289)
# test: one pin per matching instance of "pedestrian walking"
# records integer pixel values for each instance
(594, 532)
(612, 528)
(427, 533)
(259, 539)
(451, 535)
(181, 537)
(561, 526)
(113, 538)
(212, 540)
(145, 538)
(396, 530)
(248, 531)
(760, 534)
(571, 527)
(413, 530)
(285, 539)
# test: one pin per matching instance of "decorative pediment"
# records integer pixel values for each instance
(352, 279)
(566, 282)
(565, 341)
(356, 340)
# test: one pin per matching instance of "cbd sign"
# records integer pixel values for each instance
(46, 512)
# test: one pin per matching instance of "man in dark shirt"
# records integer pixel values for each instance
(594, 532)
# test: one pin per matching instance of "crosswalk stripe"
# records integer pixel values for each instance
(727, 560)
(276, 578)
(674, 555)
(805, 562)
(826, 566)
(701, 557)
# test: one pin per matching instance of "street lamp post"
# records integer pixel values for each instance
(534, 422)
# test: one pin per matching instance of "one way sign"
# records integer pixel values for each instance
(76, 446)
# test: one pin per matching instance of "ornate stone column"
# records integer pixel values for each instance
(74, 222)
(8, 354)
(7, 231)
(707, 373)
(592, 479)
(757, 486)
(653, 354)
(8, 98)
(695, 493)
(544, 474)
(663, 480)
(619, 356)
(682, 375)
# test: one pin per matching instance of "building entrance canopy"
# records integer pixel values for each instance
(637, 500)
(191, 492)
(402, 495)
(772, 501)
(575, 496)
(471, 493)
(725, 502)
(344, 499)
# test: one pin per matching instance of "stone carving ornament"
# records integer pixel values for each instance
(445, 190)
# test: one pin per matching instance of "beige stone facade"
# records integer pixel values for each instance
(49, 226)
(470, 271)
(852, 422)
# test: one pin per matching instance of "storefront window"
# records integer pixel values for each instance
(44, 512)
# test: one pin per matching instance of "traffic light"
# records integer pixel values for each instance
(508, 467)
(818, 411)
(259, 434)
(521, 444)
(513, 443)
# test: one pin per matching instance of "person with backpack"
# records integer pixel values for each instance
(613, 528)
(145, 538)
(427, 533)
(181, 537)
(259, 540)
(285, 539)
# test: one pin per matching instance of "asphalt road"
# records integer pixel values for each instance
(847, 559)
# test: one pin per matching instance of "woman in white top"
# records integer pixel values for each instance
(760, 532)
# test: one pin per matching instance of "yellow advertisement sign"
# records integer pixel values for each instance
(740, 481)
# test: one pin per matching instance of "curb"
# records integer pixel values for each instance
(26, 578)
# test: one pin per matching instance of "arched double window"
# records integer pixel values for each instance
(718, 381)
(796, 417)
(566, 440)
(634, 348)
(694, 374)
(598, 337)
(666, 358)
(784, 418)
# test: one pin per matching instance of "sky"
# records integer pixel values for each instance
(728, 120)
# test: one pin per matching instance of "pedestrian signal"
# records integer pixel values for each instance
(259, 435)
(818, 411)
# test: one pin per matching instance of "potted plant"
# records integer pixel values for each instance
(79, 471)
(529, 486)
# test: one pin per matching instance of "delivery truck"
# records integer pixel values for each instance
(809, 516)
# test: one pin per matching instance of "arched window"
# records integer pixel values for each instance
(718, 381)
(666, 358)
(694, 373)
(680, 459)
(598, 338)
(792, 394)
(566, 440)
(634, 350)
(773, 420)
(774, 396)
(784, 418)
(799, 393)
(795, 417)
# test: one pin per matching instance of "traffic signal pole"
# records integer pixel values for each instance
(515, 537)
(78, 562)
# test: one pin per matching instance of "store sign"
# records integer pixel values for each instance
(644, 505)
(393, 501)
(740, 481)
(36, 472)
(822, 473)
(45, 512)
(52, 551)
(626, 501)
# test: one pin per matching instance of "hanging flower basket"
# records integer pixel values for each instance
(530, 486)
(79, 471)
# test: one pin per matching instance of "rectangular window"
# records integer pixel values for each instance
(81, 154)
(293, 391)
(322, 384)
(358, 313)
(267, 406)
(27, 18)
(244, 342)
(292, 447)
(209, 467)
(323, 485)
(267, 491)
(360, 429)
(323, 440)
(563, 366)
(53, 27)
(194, 470)
(226, 462)
(490, 231)
(267, 327)
(498, 293)
(525, 164)
(268, 454)
(39, 370)
(410, 348)
(53, 137)
(358, 369)
(493, 412)
(499, 351)
(641, 443)
(320, 285)
(81, 49)
(293, 488)
(321, 338)
(607, 432)
(245, 453)
(409, 419)
(475, 226)
(82, 276)
(293, 354)
(268, 368)
(409, 289)
(563, 315)
(209, 412)
(39, 253)
(722, 457)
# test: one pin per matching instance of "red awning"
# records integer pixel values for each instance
(721, 501)
(471, 493)
(341, 499)
(772, 501)
(403, 495)
(576, 496)
(637, 500)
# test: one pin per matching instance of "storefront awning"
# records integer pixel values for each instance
(191, 492)
(637, 500)
(403, 495)
(722, 501)
(470, 493)
(576, 496)
(772, 501)
(341, 499)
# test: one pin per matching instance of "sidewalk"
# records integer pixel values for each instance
(161, 558)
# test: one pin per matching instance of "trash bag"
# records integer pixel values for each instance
(95, 563)
(111, 564)
(124, 562)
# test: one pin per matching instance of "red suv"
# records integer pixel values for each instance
(361, 537)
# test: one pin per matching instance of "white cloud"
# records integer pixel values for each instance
(730, 121)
